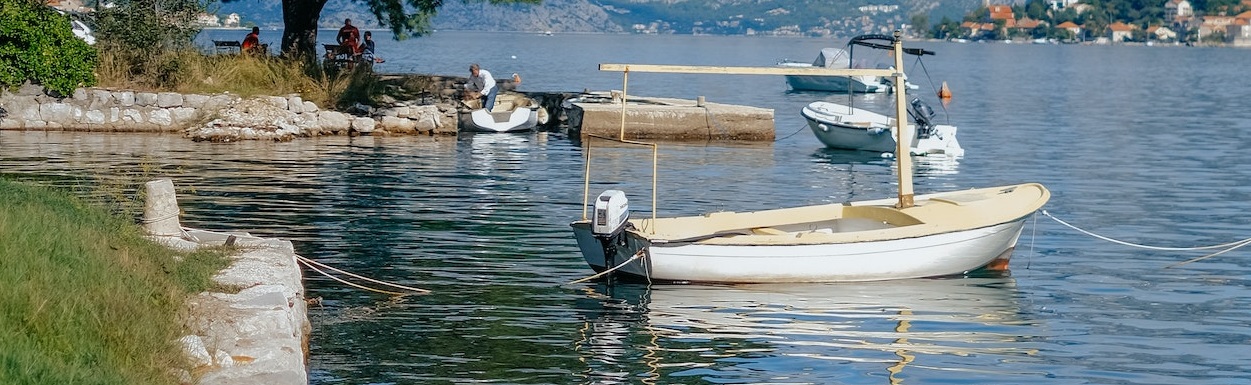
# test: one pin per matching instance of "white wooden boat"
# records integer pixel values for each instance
(938, 234)
(850, 128)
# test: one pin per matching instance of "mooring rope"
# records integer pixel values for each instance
(1227, 247)
(801, 129)
(314, 264)
(640, 254)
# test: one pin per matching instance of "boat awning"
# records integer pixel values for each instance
(833, 58)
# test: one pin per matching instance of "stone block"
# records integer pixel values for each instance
(161, 117)
(393, 112)
(125, 98)
(310, 107)
(184, 115)
(334, 121)
(194, 100)
(364, 125)
(131, 115)
(10, 124)
(101, 98)
(168, 99)
(34, 124)
(25, 109)
(56, 112)
(398, 125)
(277, 101)
(295, 104)
(115, 115)
(93, 117)
(308, 121)
(220, 101)
(145, 99)
(80, 94)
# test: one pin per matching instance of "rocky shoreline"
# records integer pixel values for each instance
(218, 117)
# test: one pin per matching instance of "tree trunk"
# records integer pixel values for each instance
(299, 35)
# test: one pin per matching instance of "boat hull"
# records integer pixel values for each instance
(929, 256)
(846, 128)
(517, 120)
(856, 84)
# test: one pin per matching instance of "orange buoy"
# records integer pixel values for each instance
(944, 92)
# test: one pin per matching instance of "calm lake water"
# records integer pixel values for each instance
(1143, 144)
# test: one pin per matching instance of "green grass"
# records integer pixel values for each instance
(84, 298)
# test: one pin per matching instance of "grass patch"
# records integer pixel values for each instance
(84, 298)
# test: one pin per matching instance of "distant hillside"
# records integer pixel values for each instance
(735, 17)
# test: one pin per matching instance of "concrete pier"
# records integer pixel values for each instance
(599, 113)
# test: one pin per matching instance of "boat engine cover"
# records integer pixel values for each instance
(612, 210)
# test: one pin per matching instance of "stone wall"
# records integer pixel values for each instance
(220, 117)
(253, 328)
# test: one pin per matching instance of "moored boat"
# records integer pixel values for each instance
(511, 113)
(850, 128)
(937, 234)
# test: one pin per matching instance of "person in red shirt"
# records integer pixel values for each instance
(252, 43)
(349, 38)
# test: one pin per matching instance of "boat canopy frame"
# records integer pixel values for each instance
(903, 163)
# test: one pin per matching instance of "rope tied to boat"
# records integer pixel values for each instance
(314, 265)
(640, 254)
(1226, 247)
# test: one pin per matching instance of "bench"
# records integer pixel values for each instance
(343, 56)
(227, 46)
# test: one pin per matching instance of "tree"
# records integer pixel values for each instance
(920, 23)
(36, 44)
(405, 18)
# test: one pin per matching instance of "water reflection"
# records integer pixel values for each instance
(814, 333)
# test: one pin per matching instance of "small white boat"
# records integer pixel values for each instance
(912, 236)
(849, 128)
(511, 114)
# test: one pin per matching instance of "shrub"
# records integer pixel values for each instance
(147, 40)
(38, 45)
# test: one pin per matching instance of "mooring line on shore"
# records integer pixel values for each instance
(314, 264)
(1226, 247)
(640, 254)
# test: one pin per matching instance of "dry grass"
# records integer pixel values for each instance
(191, 71)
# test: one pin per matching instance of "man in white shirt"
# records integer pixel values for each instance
(481, 86)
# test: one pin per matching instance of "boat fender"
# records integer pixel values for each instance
(612, 212)
(823, 127)
(876, 131)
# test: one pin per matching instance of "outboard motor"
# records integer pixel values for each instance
(609, 221)
(612, 210)
(924, 117)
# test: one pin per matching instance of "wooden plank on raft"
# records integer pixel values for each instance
(691, 69)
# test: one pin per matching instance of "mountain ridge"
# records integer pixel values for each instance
(716, 17)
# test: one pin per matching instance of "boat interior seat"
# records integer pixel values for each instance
(888, 215)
